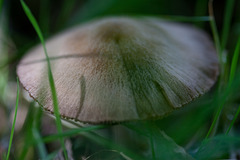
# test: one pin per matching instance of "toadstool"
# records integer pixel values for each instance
(120, 68)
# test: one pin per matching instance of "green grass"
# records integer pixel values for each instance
(189, 130)
(50, 76)
(234, 63)
(14, 121)
(231, 78)
(227, 22)
(233, 121)
(222, 63)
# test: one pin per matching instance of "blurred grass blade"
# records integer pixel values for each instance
(165, 147)
(234, 63)
(152, 148)
(232, 74)
(234, 119)
(215, 34)
(220, 57)
(14, 121)
(27, 131)
(127, 153)
(217, 147)
(41, 148)
(227, 22)
(51, 156)
(231, 77)
(162, 146)
(50, 76)
(72, 132)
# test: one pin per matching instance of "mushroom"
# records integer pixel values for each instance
(120, 68)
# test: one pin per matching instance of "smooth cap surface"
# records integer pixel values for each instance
(120, 69)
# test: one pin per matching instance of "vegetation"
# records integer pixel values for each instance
(207, 128)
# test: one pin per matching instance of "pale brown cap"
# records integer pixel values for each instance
(120, 69)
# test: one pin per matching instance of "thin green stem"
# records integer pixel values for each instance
(152, 147)
(233, 121)
(216, 117)
(234, 63)
(215, 35)
(220, 57)
(40, 145)
(228, 89)
(50, 76)
(14, 121)
(227, 22)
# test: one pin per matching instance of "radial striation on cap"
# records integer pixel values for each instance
(119, 69)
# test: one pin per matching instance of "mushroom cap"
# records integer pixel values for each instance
(119, 69)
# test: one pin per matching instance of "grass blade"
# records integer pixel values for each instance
(215, 34)
(234, 119)
(227, 22)
(50, 76)
(41, 148)
(220, 57)
(218, 146)
(14, 121)
(234, 63)
(231, 77)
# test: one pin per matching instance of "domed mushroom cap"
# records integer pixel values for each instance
(119, 69)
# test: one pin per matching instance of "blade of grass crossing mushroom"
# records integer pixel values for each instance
(226, 22)
(50, 76)
(14, 121)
